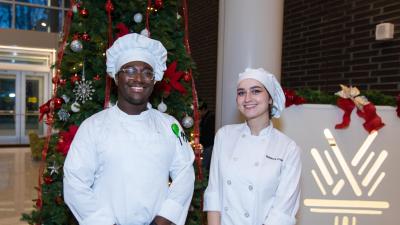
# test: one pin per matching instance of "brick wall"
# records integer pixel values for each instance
(203, 37)
(331, 42)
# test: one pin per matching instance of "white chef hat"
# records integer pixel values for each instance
(271, 84)
(136, 47)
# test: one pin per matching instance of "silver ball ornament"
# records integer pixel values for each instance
(65, 98)
(187, 122)
(138, 17)
(76, 46)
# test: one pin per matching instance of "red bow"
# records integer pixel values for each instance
(349, 99)
(171, 80)
(372, 120)
(65, 139)
(347, 105)
(292, 98)
(44, 110)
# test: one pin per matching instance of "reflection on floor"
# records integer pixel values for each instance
(18, 177)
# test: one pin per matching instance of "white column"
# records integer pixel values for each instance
(249, 35)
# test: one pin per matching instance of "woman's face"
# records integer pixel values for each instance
(252, 99)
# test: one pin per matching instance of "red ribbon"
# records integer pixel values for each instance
(109, 8)
(50, 112)
(398, 105)
(148, 16)
(196, 128)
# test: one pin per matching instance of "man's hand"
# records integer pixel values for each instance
(159, 220)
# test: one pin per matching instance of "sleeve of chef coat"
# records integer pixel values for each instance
(286, 203)
(79, 172)
(212, 192)
(176, 206)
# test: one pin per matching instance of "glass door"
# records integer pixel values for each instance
(21, 94)
(9, 96)
(33, 94)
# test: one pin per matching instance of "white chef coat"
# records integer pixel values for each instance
(118, 168)
(254, 180)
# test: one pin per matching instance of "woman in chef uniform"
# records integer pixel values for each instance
(255, 169)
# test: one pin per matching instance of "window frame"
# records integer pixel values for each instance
(14, 3)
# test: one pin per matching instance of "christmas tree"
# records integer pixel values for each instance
(81, 87)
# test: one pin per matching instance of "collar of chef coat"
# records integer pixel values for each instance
(126, 117)
(264, 132)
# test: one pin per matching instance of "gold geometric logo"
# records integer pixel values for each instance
(334, 180)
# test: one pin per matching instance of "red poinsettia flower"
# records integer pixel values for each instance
(122, 30)
(171, 80)
(65, 139)
(292, 98)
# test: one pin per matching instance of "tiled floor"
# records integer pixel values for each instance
(18, 177)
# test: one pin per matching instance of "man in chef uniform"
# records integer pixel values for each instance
(118, 167)
(255, 169)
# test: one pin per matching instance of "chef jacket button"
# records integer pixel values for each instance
(246, 214)
(229, 182)
(226, 208)
(256, 164)
(243, 135)
(235, 159)
(250, 187)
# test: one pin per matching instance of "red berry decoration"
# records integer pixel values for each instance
(48, 180)
(74, 78)
(97, 77)
(85, 36)
(59, 200)
(187, 77)
(158, 4)
(84, 12)
(62, 82)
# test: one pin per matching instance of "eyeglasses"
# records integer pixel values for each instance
(146, 74)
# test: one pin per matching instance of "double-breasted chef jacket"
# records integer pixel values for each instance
(118, 168)
(254, 180)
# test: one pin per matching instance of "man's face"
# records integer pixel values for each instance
(134, 88)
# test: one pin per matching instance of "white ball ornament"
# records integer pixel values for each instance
(76, 46)
(75, 107)
(187, 122)
(162, 107)
(145, 32)
(138, 17)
